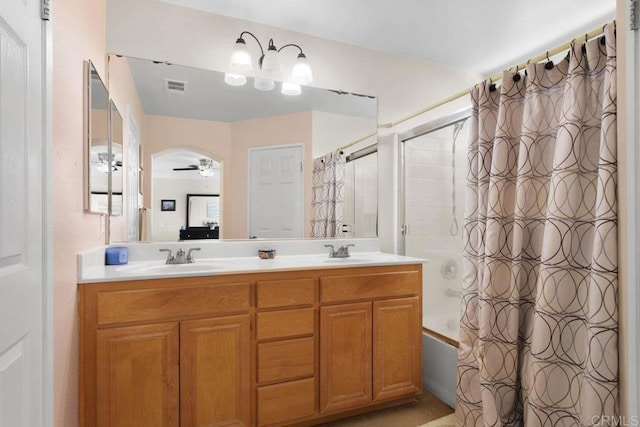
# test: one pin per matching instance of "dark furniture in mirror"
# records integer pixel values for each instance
(203, 217)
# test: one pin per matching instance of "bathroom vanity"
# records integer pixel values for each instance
(252, 344)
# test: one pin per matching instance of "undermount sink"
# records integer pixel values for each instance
(151, 268)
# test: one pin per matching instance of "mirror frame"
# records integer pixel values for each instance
(188, 210)
(88, 128)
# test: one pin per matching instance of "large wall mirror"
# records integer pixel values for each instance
(198, 133)
(97, 154)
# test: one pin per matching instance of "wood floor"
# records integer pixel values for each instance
(427, 408)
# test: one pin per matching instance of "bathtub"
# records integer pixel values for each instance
(439, 361)
(442, 283)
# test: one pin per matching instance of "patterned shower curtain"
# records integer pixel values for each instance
(327, 195)
(539, 325)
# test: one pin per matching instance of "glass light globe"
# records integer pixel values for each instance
(235, 79)
(271, 66)
(301, 72)
(241, 57)
(291, 89)
(263, 84)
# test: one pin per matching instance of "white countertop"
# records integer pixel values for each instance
(146, 263)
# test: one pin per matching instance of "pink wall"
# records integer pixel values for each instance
(276, 130)
(229, 144)
(78, 35)
(209, 138)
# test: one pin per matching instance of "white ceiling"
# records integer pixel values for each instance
(208, 97)
(163, 165)
(480, 36)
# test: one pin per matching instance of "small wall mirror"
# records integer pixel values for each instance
(97, 155)
(117, 170)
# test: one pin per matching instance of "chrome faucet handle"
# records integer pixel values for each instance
(343, 251)
(332, 251)
(180, 257)
(189, 256)
(170, 257)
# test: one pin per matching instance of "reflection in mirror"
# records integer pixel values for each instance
(203, 217)
(97, 159)
(176, 174)
(117, 169)
(189, 110)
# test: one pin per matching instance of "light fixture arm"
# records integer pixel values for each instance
(256, 39)
(294, 45)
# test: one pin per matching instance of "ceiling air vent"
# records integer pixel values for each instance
(175, 86)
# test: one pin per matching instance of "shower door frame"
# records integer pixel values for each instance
(418, 131)
(630, 195)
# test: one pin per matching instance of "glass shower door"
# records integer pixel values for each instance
(435, 170)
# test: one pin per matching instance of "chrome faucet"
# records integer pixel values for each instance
(342, 252)
(190, 257)
(170, 258)
(181, 257)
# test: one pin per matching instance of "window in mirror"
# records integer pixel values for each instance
(97, 154)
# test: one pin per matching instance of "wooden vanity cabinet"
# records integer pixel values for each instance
(286, 336)
(371, 351)
(171, 352)
(260, 349)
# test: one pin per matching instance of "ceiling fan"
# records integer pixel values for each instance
(205, 167)
(103, 162)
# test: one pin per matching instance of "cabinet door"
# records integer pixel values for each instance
(137, 376)
(397, 348)
(215, 372)
(345, 356)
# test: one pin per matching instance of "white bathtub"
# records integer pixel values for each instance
(439, 361)
(442, 282)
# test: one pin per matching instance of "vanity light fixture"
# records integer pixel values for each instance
(270, 66)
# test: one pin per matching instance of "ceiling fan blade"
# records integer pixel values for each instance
(188, 168)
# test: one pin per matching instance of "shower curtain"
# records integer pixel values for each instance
(327, 195)
(539, 324)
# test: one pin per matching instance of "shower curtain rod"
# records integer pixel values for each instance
(498, 76)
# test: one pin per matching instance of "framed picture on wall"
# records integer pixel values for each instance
(168, 205)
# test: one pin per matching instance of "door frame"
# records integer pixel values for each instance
(250, 151)
(47, 224)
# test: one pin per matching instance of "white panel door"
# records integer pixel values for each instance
(21, 214)
(275, 192)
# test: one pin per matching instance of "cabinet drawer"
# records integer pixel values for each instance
(282, 360)
(285, 402)
(284, 324)
(370, 286)
(285, 293)
(171, 303)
